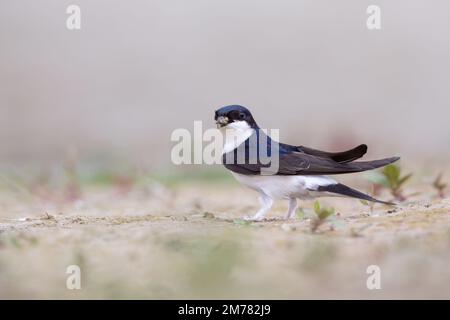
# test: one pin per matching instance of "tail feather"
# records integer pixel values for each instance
(341, 157)
(342, 189)
(369, 165)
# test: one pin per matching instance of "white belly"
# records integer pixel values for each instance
(284, 187)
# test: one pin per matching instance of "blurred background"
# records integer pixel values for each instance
(86, 176)
(113, 92)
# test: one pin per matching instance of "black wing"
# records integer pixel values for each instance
(297, 163)
(341, 157)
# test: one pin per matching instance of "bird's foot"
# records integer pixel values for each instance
(289, 216)
(291, 210)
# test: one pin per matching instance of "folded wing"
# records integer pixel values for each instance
(305, 164)
(298, 163)
(341, 157)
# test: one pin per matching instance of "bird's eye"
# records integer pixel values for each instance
(242, 115)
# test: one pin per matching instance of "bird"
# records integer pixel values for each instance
(301, 172)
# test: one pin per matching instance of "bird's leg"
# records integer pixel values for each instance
(292, 207)
(266, 204)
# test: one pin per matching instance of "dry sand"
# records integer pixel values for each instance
(187, 241)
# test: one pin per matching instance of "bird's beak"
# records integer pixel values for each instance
(221, 121)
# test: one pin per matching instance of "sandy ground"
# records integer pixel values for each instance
(188, 241)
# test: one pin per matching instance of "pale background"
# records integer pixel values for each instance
(85, 170)
(139, 69)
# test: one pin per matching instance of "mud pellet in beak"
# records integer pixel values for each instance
(221, 121)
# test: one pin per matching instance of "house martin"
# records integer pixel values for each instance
(300, 172)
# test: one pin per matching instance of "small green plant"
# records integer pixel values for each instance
(322, 214)
(369, 204)
(439, 185)
(390, 177)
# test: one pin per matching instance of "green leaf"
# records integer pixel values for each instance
(317, 207)
(392, 173)
(325, 213)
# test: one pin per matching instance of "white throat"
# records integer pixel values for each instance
(235, 133)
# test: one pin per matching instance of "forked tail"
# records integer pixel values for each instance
(342, 189)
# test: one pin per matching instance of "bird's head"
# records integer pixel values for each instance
(235, 117)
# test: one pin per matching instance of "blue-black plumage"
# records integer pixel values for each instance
(299, 172)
